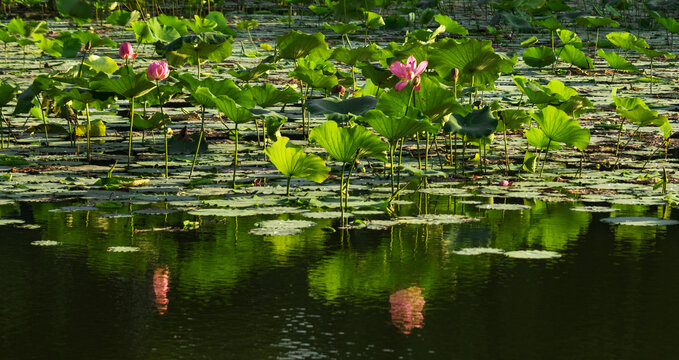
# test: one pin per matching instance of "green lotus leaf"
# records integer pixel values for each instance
(336, 106)
(568, 37)
(156, 121)
(216, 87)
(537, 94)
(142, 32)
(101, 64)
(550, 23)
(636, 111)
(292, 161)
(7, 93)
(50, 47)
(202, 25)
(342, 28)
(479, 123)
(163, 33)
(267, 95)
(536, 137)
(559, 127)
(451, 25)
(78, 10)
(345, 144)
(539, 56)
(97, 129)
(513, 119)
(651, 53)
(295, 45)
(247, 75)
(596, 22)
(529, 42)
(368, 53)
(122, 17)
(378, 75)
(178, 24)
(576, 106)
(373, 20)
(195, 48)
(232, 111)
(626, 40)
(476, 60)
(575, 56)
(435, 101)
(126, 86)
(315, 79)
(616, 61)
(222, 24)
(18, 26)
(393, 128)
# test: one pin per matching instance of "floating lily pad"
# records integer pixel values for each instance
(115, 216)
(503, 207)
(326, 215)
(432, 219)
(478, 251)
(595, 209)
(45, 243)
(368, 212)
(270, 231)
(154, 211)
(119, 249)
(281, 227)
(75, 208)
(639, 221)
(533, 254)
(222, 212)
(28, 226)
(447, 192)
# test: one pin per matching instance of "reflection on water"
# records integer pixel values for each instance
(347, 294)
(407, 307)
(161, 285)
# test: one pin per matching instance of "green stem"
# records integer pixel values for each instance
(392, 147)
(200, 138)
(235, 157)
(542, 168)
(87, 112)
(167, 172)
(129, 147)
(342, 190)
(617, 145)
(287, 188)
(504, 129)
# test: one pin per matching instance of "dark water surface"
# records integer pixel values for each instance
(220, 293)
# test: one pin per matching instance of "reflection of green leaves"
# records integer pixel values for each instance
(346, 144)
(559, 127)
(292, 161)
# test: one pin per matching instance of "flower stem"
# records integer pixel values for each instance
(129, 148)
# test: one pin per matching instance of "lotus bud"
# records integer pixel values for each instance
(338, 90)
(416, 82)
(158, 70)
(126, 51)
(88, 46)
(456, 74)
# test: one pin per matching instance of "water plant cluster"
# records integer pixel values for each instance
(390, 93)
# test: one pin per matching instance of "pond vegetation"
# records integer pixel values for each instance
(211, 143)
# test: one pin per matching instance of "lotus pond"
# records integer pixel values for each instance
(345, 179)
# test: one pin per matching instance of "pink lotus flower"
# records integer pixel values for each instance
(406, 309)
(158, 70)
(161, 285)
(411, 71)
(505, 183)
(126, 51)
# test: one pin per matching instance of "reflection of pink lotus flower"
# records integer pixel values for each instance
(406, 309)
(161, 285)
(408, 72)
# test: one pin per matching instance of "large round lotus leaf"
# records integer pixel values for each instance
(283, 224)
(539, 56)
(503, 207)
(335, 105)
(326, 215)
(119, 249)
(45, 243)
(533, 254)
(594, 209)
(478, 251)
(477, 124)
(433, 219)
(639, 221)
(195, 48)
